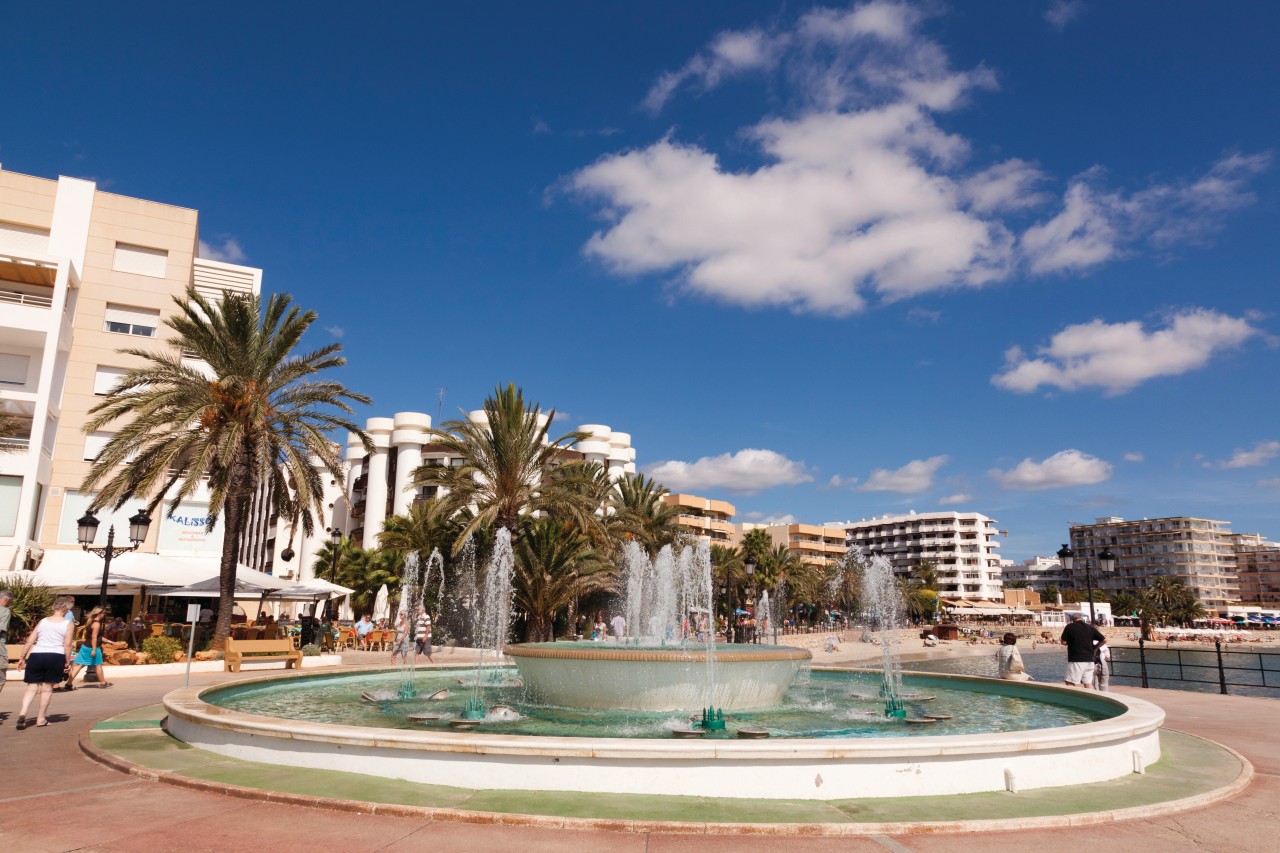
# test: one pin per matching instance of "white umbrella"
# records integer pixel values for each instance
(344, 610)
(382, 604)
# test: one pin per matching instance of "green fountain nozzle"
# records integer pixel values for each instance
(408, 691)
(712, 720)
(473, 710)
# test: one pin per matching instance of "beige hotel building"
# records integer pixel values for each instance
(83, 274)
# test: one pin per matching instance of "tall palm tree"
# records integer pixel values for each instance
(640, 513)
(506, 460)
(778, 562)
(259, 416)
(554, 566)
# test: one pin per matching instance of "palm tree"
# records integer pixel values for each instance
(554, 567)
(332, 561)
(368, 571)
(428, 525)
(11, 425)
(756, 544)
(778, 562)
(640, 513)
(258, 417)
(506, 464)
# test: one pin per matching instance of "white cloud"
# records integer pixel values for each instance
(729, 54)
(1262, 453)
(1118, 357)
(914, 477)
(957, 498)
(1134, 457)
(228, 251)
(748, 470)
(859, 195)
(1096, 224)
(336, 331)
(1065, 468)
(762, 518)
(839, 482)
(1272, 483)
(1062, 12)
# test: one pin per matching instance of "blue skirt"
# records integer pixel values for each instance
(88, 657)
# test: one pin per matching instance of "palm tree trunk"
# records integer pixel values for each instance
(234, 507)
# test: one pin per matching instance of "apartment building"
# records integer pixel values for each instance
(83, 274)
(814, 544)
(1199, 551)
(1258, 573)
(379, 483)
(1037, 572)
(964, 547)
(705, 518)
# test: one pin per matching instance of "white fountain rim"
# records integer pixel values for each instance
(1138, 717)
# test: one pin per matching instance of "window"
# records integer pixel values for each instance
(13, 368)
(94, 442)
(127, 320)
(140, 260)
(106, 378)
(10, 492)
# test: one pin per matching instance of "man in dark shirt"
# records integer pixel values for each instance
(1079, 637)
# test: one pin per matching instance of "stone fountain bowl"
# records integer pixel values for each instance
(613, 676)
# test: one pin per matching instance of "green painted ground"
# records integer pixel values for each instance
(1189, 766)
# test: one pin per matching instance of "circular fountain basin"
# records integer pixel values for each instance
(1120, 737)
(613, 676)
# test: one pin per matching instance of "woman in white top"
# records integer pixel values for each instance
(1010, 660)
(46, 657)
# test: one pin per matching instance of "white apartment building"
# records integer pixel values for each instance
(964, 546)
(379, 483)
(83, 274)
(1037, 572)
(1200, 551)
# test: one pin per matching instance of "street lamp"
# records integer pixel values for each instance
(87, 528)
(1108, 560)
(335, 537)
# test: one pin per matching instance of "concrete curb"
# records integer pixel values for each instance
(429, 813)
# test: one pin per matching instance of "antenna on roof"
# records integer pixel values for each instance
(440, 411)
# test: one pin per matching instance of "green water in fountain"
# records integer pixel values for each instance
(825, 705)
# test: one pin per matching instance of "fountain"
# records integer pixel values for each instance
(601, 716)
(662, 664)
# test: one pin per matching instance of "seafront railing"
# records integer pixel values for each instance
(1226, 668)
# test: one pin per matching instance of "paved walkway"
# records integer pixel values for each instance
(57, 800)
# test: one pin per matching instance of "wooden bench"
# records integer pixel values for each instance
(253, 651)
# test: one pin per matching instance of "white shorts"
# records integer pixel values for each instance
(1080, 673)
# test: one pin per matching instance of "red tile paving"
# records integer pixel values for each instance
(58, 800)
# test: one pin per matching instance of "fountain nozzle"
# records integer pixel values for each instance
(712, 720)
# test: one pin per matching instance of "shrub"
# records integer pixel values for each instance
(161, 649)
(31, 602)
(310, 650)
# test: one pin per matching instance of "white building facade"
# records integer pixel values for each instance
(963, 546)
(379, 484)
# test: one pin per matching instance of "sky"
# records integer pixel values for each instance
(824, 262)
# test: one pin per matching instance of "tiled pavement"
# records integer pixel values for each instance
(56, 799)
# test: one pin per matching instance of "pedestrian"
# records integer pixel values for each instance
(619, 626)
(1079, 637)
(1102, 666)
(401, 645)
(423, 634)
(90, 653)
(46, 658)
(1009, 659)
(5, 615)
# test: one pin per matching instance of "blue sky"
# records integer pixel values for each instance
(825, 262)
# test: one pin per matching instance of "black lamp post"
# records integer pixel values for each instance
(87, 529)
(1108, 560)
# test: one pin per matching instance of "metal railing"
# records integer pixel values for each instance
(18, 297)
(1225, 668)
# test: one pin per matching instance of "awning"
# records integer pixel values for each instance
(312, 590)
(67, 570)
(998, 611)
